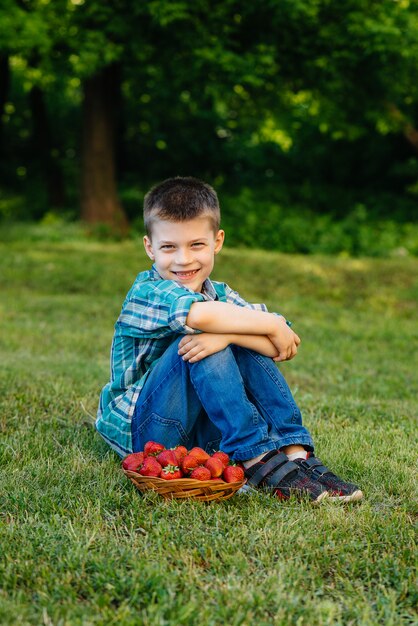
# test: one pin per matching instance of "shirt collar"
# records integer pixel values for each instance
(208, 290)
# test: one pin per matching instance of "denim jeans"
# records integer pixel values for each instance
(235, 400)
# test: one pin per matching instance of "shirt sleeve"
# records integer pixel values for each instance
(157, 309)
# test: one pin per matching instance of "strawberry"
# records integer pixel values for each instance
(200, 454)
(171, 472)
(150, 467)
(167, 457)
(133, 461)
(188, 463)
(215, 466)
(180, 452)
(233, 474)
(152, 448)
(200, 473)
(223, 456)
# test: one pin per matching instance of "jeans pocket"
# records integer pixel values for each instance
(168, 431)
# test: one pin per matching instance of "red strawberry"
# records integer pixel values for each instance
(223, 456)
(152, 448)
(167, 457)
(180, 452)
(188, 463)
(133, 461)
(150, 467)
(215, 466)
(171, 472)
(200, 473)
(233, 474)
(200, 454)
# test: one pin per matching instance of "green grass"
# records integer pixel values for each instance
(79, 545)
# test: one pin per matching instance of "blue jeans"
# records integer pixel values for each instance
(235, 400)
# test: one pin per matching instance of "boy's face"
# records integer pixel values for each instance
(184, 251)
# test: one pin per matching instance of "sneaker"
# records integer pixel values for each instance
(338, 489)
(284, 478)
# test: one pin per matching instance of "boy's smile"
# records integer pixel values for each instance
(184, 251)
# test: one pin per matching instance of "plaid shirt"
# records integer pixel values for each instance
(153, 315)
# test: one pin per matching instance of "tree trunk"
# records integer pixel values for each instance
(49, 167)
(99, 200)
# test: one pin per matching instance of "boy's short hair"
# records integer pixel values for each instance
(179, 199)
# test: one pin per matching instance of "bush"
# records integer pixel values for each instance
(253, 222)
(250, 220)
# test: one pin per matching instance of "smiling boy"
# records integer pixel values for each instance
(193, 363)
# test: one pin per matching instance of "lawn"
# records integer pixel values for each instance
(80, 546)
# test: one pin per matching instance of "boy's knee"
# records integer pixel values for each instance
(246, 353)
(217, 361)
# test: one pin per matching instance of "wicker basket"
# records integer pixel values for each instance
(205, 490)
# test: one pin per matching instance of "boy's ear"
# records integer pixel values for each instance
(148, 247)
(219, 240)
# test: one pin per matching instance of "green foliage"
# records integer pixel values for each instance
(319, 98)
(81, 547)
(259, 223)
(254, 224)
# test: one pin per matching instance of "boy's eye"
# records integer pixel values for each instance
(169, 246)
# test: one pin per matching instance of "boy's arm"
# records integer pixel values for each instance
(194, 348)
(224, 318)
(258, 343)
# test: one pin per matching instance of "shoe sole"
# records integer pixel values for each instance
(322, 496)
(353, 497)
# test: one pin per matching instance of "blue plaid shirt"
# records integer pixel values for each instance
(153, 314)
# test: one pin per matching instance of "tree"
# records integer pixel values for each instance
(99, 199)
(292, 89)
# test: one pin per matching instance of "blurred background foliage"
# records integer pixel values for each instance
(302, 113)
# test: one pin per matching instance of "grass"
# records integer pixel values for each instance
(80, 546)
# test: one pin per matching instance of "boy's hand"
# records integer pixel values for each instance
(194, 348)
(285, 340)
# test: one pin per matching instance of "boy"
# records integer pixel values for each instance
(192, 363)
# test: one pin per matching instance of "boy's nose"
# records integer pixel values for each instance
(183, 257)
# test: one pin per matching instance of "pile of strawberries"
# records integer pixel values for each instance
(178, 462)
